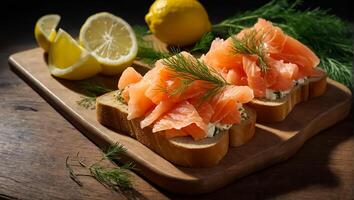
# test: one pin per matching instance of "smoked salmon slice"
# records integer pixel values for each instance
(185, 113)
(286, 58)
(138, 103)
(128, 76)
(287, 48)
(227, 100)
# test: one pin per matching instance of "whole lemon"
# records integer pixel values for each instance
(178, 22)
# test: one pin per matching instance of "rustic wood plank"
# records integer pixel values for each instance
(273, 142)
(34, 142)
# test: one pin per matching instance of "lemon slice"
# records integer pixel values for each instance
(44, 31)
(68, 60)
(111, 40)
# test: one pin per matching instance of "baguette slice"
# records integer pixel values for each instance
(276, 110)
(183, 151)
(244, 132)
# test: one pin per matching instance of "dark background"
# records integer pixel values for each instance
(16, 34)
(18, 18)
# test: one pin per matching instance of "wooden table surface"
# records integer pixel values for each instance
(35, 140)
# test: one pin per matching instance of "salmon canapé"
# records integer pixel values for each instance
(262, 57)
(153, 99)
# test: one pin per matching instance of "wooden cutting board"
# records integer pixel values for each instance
(272, 143)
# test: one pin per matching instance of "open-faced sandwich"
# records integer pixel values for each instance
(281, 70)
(182, 109)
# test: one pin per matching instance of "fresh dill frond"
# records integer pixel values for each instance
(149, 54)
(146, 50)
(251, 43)
(339, 70)
(91, 90)
(204, 43)
(112, 178)
(140, 31)
(330, 37)
(114, 150)
(72, 174)
(189, 69)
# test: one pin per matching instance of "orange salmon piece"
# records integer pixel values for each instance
(138, 103)
(181, 116)
(128, 76)
(254, 77)
(227, 100)
(287, 48)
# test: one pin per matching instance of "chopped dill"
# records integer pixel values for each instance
(87, 102)
(119, 97)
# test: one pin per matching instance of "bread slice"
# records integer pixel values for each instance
(183, 151)
(276, 110)
(244, 132)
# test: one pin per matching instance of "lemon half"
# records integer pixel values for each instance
(68, 60)
(111, 40)
(44, 31)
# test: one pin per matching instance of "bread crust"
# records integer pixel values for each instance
(244, 132)
(271, 111)
(183, 151)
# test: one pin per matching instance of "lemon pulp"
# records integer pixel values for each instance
(111, 40)
(44, 30)
(68, 60)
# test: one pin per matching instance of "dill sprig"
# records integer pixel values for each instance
(91, 91)
(189, 69)
(251, 43)
(113, 151)
(204, 42)
(113, 178)
(329, 36)
(72, 174)
(146, 50)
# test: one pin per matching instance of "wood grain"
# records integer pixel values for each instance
(34, 142)
(277, 141)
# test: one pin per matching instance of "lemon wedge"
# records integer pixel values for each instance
(44, 31)
(68, 60)
(111, 40)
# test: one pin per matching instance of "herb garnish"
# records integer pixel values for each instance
(204, 42)
(91, 90)
(329, 36)
(112, 178)
(251, 43)
(189, 69)
(119, 97)
(146, 50)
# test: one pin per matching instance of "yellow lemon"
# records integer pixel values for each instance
(111, 40)
(44, 31)
(68, 60)
(179, 23)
